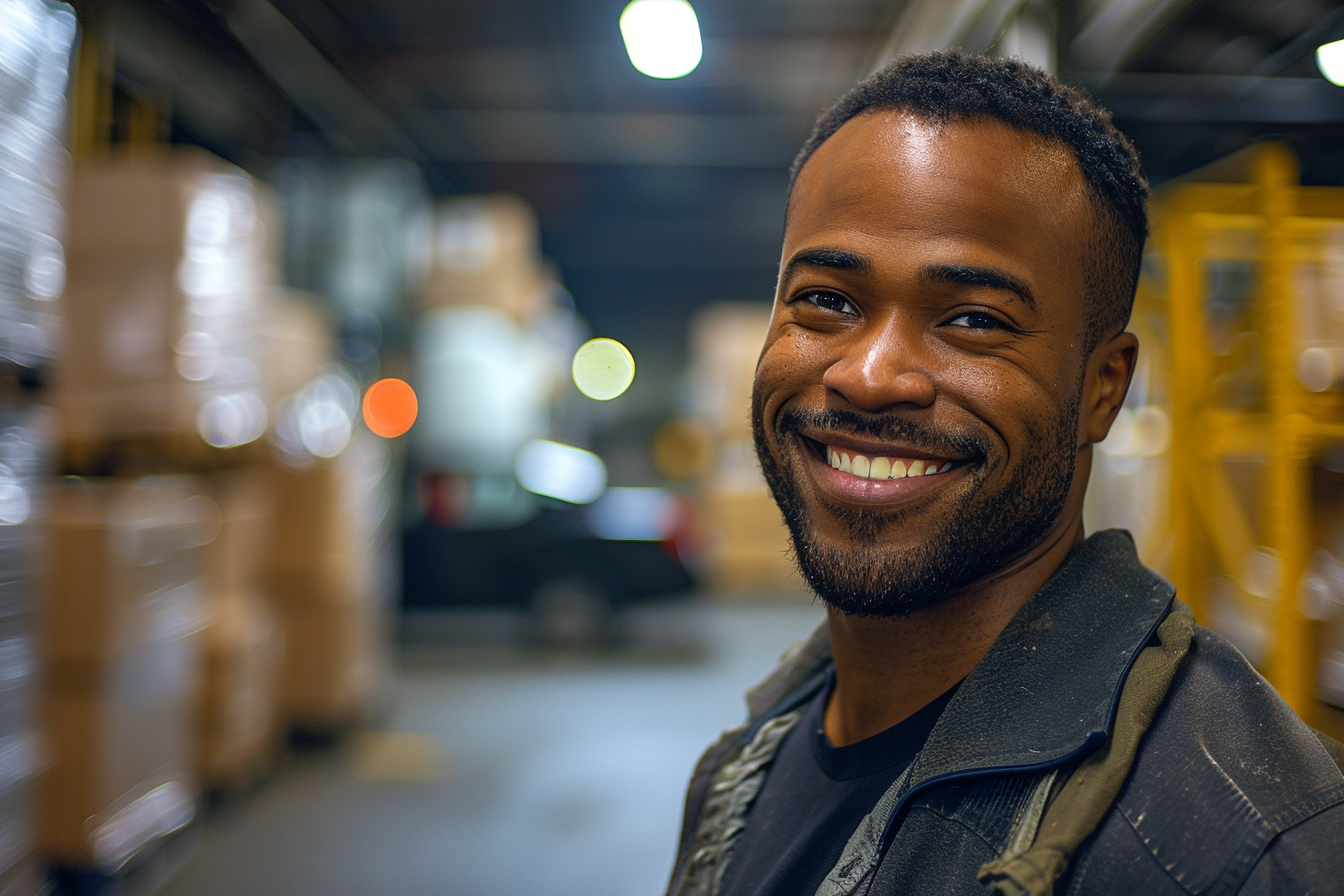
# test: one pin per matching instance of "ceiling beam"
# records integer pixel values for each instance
(349, 118)
(601, 138)
(1213, 98)
(1118, 30)
(972, 25)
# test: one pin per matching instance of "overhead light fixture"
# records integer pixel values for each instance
(1330, 60)
(662, 37)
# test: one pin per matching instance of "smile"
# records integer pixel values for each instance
(859, 471)
(865, 467)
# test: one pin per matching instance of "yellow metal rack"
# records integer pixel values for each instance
(1234, 280)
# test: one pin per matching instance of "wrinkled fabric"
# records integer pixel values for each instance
(734, 788)
(1044, 840)
(1228, 793)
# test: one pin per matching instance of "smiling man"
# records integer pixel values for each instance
(997, 702)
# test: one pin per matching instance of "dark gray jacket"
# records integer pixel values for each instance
(1230, 793)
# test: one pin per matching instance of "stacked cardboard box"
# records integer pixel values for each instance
(161, 319)
(487, 252)
(748, 546)
(324, 576)
(119, 627)
(235, 711)
(160, 650)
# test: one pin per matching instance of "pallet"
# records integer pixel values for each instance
(147, 454)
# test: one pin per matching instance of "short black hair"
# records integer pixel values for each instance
(950, 85)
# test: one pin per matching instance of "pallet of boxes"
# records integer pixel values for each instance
(747, 548)
(159, 649)
(35, 44)
(327, 563)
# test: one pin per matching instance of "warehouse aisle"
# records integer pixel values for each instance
(506, 776)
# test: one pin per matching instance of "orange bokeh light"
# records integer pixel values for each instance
(390, 407)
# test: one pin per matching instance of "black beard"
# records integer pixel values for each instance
(981, 534)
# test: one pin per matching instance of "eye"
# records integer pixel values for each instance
(829, 301)
(977, 320)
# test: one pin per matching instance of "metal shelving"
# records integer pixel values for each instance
(1234, 246)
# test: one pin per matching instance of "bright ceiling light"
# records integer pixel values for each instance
(1330, 60)
(662, 37)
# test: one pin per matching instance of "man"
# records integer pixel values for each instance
(996, 702)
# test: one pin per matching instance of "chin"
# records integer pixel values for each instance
(887, 563)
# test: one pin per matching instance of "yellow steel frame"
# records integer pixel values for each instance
(1257, 190)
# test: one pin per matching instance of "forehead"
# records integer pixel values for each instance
(890, 179)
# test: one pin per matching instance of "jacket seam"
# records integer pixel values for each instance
(1239, 866)
(1312, 805)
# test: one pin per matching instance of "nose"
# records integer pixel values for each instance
(879, 369)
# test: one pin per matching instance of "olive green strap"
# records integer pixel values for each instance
(1060, 816)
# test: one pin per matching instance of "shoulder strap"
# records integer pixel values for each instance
(1040, 846)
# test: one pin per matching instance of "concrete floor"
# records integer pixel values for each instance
(501, 773)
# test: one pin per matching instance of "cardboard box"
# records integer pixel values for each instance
(161, 318)
(332, 664)
(119, 652)
(122, 569)
(486, 252)
(240, 519)
(163, 201)
(120, 759)
(748, 545)
(725, 343)
(322, 538)
(236, 709)
(296, 343)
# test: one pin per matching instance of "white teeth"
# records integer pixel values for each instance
(882, 467)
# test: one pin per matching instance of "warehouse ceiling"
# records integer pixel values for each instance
(659, 196)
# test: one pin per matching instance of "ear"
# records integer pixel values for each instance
(1109, 371)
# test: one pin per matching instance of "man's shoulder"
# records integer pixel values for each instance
(1225, 770)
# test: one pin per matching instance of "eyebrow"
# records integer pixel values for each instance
(834, 259)
(971, 275)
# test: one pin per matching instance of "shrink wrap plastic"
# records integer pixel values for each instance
(35, 42)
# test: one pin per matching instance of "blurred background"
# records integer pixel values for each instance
(268, 624)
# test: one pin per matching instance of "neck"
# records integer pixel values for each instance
(888, 669)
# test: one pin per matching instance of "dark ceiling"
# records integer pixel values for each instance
(658, 196)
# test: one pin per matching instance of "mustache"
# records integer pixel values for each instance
(884, 427)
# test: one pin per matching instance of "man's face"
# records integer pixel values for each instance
(916, 406)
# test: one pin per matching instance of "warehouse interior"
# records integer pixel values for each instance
(335, 558)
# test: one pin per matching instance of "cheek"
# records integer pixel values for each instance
(1018, 407)
(791, 359)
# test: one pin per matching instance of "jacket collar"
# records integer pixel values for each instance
(1047, 689)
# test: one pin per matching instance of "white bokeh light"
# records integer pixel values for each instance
(662, 37)
(561, 471)
(1330, 60)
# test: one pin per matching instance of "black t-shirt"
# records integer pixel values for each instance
(814, 797)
